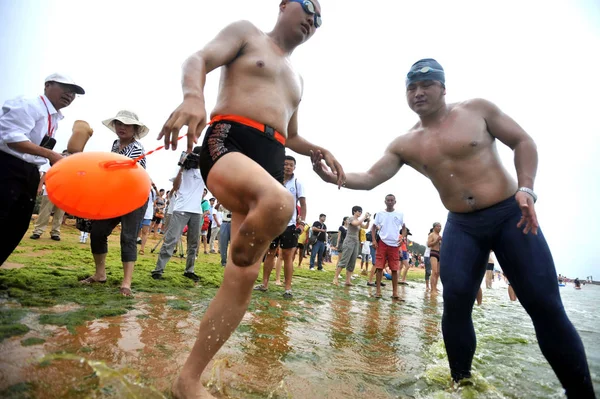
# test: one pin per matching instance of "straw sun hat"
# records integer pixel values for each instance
(127, 118)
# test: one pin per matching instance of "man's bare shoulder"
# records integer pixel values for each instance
(243, 28)
(404, 142)
(479, 106)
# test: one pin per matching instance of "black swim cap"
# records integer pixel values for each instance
(426, 69)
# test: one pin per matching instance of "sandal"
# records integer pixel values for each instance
(397, 298)
(378, 296)
(91, 280)
(141, 252)
(126, 292)
(260, 288)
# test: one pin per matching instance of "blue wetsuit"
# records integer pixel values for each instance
(527, 262)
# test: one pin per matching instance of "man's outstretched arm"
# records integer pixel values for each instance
(383, 170)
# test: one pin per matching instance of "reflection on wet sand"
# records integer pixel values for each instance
(266, 346)
(333, 343)
(430, 321)
(147, 339)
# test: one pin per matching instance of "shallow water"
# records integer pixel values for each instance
(328, 342)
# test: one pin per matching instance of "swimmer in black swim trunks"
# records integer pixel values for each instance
(433, 241)
(255, 117)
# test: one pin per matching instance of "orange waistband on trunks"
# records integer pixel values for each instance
(268, 130)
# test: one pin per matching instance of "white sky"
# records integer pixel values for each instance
(538, 60)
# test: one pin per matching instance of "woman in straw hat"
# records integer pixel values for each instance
(129, 130)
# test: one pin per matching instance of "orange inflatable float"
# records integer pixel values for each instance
(97, 185)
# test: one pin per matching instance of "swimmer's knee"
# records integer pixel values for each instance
(243, 257)
(278, 207)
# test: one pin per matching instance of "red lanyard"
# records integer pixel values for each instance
(50, 127)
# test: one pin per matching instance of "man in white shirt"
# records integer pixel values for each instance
(187, 211)
(46, 209)
(388, 223)
(215, 226)
(288, 240)
(27, 130)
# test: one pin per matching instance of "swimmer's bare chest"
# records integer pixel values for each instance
(261, 84)
(461, 160)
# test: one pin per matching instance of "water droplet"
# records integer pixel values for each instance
(451, 175)
(251, 244)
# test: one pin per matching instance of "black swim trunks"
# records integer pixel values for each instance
(286, 240)
(227, 136)
(435, 254)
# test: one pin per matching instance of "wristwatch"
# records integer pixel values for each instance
(530, 192)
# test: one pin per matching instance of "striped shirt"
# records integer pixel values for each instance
(133, 150)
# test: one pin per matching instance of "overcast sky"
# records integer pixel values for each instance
(538, 60)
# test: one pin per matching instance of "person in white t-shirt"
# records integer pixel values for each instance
(187, 211)
(288, 240)
(388, 223)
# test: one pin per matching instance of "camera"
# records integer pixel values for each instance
(190, 160)
(48, 142)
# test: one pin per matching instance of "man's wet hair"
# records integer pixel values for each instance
(356, 209)
(390, 195)
(290, 158)
(321, 215)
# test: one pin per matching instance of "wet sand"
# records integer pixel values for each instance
(329, 342)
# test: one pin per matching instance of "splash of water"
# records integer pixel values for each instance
(125, 383)
(215, 374)
(281, 387)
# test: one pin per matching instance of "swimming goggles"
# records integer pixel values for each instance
(309, 8)
(423, 70)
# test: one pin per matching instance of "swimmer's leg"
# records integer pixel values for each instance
(261, 209)
(464, 258)
(527, 262)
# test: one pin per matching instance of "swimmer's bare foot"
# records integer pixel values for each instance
(184, 389)
(335, 282)
(277, 282)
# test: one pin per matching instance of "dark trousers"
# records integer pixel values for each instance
(527, 262)
(19, 181)
(317, 251)
(208, 234)
(130, 228)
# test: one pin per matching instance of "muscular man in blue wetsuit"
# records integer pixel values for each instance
(454, 145)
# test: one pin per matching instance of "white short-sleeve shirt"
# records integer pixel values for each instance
(296, 188)
(189, 195)
(389, 224)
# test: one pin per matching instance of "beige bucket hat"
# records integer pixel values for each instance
(127, 118)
